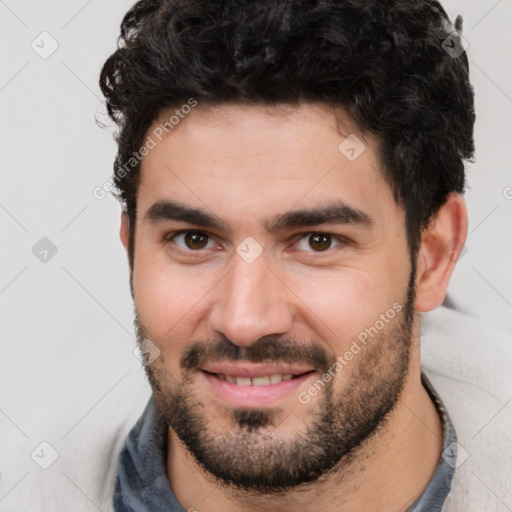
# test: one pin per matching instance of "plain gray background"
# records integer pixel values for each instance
(67, 329)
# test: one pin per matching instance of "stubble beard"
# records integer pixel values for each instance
(253, 455)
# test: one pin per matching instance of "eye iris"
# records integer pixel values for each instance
(320, 242)
(195, 240)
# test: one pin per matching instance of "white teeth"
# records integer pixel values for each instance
(260, 381)
(264, 380)
(243, 381)
(276, 378)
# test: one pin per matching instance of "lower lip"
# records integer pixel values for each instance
(254, 396)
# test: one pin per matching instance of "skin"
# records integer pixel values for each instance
(269, 161)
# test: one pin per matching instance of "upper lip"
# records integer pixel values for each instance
(245, 369)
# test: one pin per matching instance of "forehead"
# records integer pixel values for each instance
(262, 159)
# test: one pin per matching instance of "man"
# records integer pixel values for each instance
(292, 176)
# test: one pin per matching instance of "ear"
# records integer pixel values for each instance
(124, 235)
(124, 231)
(441, 245)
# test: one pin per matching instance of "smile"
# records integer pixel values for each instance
(250, 385)
(264, 380)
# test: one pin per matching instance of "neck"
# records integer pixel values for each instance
(389, 472)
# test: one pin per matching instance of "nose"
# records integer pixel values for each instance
(250, 302)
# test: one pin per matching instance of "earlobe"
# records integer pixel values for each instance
(441, 245)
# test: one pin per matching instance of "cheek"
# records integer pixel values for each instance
(168, 300)
(342, 304)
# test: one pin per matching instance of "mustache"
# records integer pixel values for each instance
(267, 348)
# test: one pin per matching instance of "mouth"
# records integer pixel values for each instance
(254, 385)
(264, 380)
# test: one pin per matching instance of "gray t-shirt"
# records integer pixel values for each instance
(142, 484)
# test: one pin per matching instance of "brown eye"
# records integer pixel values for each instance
(318, 242)
(191, 240)
(195, 240)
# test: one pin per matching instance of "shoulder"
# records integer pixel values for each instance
(469, 364)
(82, 478)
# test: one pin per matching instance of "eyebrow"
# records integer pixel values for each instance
(333, 213)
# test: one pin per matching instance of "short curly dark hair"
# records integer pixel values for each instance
(385, 62)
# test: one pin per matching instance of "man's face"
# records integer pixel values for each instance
(283, 344)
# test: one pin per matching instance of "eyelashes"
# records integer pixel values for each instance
(192, 242)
